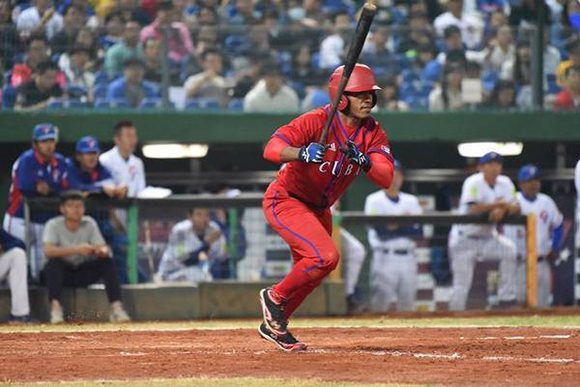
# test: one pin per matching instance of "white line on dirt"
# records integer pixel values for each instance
(517, 337)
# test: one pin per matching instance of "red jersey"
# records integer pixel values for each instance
(320, 185)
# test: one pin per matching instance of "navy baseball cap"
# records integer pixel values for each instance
(88, 144)
(489, 157)
(44, 132)
(529, 172)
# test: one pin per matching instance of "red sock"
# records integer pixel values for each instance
(295, 280)
(299, 297)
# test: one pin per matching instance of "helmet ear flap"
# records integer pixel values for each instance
(343, 103)
(374, 98)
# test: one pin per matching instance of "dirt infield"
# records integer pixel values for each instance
(454, 356)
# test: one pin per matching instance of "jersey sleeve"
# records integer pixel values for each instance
(25, 177)
(95, 235)
(556, 217)
(379, 143)
(510, 191)
(469, 193)
(302, 130)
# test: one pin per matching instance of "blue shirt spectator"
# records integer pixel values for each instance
(131, 86)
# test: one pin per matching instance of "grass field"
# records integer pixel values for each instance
(407, 350)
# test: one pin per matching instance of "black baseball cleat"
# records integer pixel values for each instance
(286, 342)
(273, 314)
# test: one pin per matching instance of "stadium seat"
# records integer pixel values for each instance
(236, 104)
(100, 91)
(76, 91)
(8, 97)
(104, 103)
(202, 103)
(152, 103)
(101, 78)
(56, 104)
(65, 103)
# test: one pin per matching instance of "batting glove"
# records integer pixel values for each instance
(313, 153)
(356, 156)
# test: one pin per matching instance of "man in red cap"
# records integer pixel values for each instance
(297, 204)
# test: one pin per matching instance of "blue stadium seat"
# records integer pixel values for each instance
(100, 91)
(65, 103)
(104, 103)
(101, 78)
(553, 87)
(489, 79)
(409, 76)
(76, 91)
(151, 103)
(236, 104)
(202, 103)
(56, 104)
(8, 97)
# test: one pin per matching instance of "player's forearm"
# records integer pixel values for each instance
(481, 208)
(278, 151)
(381, 171)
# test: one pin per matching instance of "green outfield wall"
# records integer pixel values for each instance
(227, 127)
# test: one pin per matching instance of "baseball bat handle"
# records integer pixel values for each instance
(354, 50)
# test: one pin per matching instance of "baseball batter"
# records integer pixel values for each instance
(297, 203)
(486, 192)
(38, 172)
(549, 233)
(393, 272)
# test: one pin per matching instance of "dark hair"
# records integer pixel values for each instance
(71, 195)
(77, 48)
(337, 14)
(499, 86)
(120, 125)
(113, 15)
(451, 30)
(519, 76)
(209, 51)
(72, 6)
(46, 66)
(133, 62)
(165, 5)
(37, 36)
(448, 69)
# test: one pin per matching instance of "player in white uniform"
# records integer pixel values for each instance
(126, 168)
(194, 244)
(549, 233)
(393, 272)
(485, 192)
(353, 254)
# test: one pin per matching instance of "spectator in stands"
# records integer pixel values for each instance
(471, 25)
(569, 98)
(303, 70)
(36, 53)
(41, 90)
(126, 168)
(497, 20)
(420, 32)
(152, 59)
(194, 245)
(519, 69)
(8, 43)
(448, 95)
(207, 37)
(573, 48)
(503, 96)
(246, 78)
(38, 172)
(209, 83)
(525, 13)
(77, 257)
(40, 18)
(332, 48)
(316, 96)
(77, 71)
(126, 49)
(499, 50)
(271, 94)
(89, 176)
(131, 86)
(453, 42)
(179, 37)
(74, 18)
(389, 98)
(242, 13)
(377, 53)
(207, 16)
(114, 27)
(13, 269)
(130, 11)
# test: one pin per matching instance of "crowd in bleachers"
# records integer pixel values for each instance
(237, 54)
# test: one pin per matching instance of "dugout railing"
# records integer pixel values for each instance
(148, 221)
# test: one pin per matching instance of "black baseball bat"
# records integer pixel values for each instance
(356, 45)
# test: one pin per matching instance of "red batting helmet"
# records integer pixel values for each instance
(361, 79)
